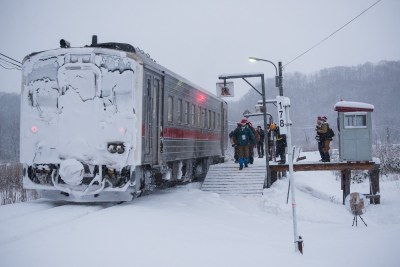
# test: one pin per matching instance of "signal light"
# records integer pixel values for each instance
(201, 98)
(34, 129)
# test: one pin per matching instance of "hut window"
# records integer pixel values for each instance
(355, 120)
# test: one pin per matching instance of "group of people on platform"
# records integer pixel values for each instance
(245, 138)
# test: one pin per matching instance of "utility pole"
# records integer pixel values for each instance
(280, 78)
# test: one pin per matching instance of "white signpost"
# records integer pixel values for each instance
(281, 102)
(284, 123)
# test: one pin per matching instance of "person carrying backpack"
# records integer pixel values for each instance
(324, 137)
(243, 137)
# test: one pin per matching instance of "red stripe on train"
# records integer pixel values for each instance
(194, 134)
(178, 133)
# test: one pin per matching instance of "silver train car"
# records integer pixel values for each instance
(105, 122)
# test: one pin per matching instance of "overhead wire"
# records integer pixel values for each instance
(10, 62)
(329, 36)
(11, 58)
(8, 68)
(12, 65)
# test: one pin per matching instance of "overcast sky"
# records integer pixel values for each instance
(202, 39)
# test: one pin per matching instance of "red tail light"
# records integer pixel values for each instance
(34, 129)
(122, 130)
(201, 98)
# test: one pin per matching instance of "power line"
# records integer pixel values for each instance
(10, 64)
(11, 58)
(8, 68)
(326, 38)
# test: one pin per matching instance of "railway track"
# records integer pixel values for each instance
(23, 220)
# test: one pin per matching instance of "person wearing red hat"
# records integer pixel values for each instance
(243, 137)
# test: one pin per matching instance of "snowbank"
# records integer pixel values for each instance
(185, 226)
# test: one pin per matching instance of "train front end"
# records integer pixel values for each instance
(80, 133)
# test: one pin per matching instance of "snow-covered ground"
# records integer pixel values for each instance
(184, 226)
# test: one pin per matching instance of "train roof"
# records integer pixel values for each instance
(128, 48)
(147, 60)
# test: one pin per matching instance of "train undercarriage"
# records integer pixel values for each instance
(98, 183)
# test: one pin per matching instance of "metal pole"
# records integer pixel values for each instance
(266, 145)
(280, 79)
(291, 180)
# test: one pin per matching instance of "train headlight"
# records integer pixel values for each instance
(112, 148)
(116, 148)
(120, 149)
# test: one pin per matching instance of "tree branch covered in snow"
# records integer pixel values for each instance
(389, 156)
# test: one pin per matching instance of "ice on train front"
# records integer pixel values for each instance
(79, 139)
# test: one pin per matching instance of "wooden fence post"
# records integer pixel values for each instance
(374, 184)
(346, 177)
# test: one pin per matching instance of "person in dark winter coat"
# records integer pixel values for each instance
(280, 143)
(233, 143)
(260, 143)
(322, 129)
(270, 142)
(252, 144)
(243, 137)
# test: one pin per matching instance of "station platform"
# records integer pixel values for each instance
(226, 178)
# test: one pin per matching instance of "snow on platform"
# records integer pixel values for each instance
(226, 178)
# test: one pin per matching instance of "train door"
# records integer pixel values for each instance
(152, 113)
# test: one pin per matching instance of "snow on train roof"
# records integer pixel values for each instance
(346, 106)
(139, 53)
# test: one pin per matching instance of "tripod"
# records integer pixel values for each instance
(355, 220)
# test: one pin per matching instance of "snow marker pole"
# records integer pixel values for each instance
(297, 241)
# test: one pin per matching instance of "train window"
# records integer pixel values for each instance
(218, 120)
(193, 115)
(187, 115)
(170, 109)
(179, 111)
(148, 86)
(199, 117)
(213, 126)
(204, 115)
(156, 90)
(209, 119)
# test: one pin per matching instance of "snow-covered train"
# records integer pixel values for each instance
(105, 122)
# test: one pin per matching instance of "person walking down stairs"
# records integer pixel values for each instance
(243, 137)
